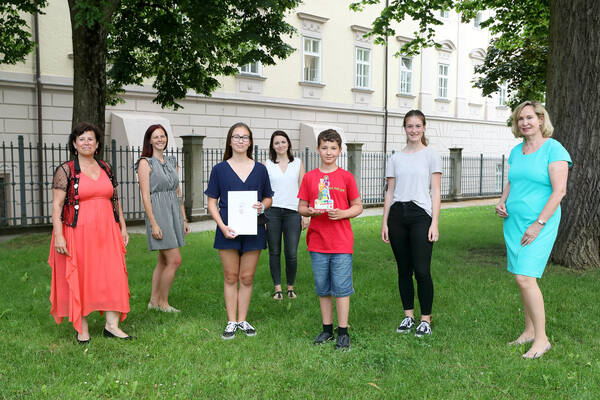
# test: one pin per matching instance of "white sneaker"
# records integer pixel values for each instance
(246, 328)
(229, 332)
(423, 329)
(406, 325)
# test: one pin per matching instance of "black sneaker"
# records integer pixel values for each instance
(406, 325)
(229, 332)
(323, 337)
(246, 328)
(423, 329)
(343, 342)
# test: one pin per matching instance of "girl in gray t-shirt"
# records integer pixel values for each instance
(410, 219)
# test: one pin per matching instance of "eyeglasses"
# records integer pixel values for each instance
(240, 138)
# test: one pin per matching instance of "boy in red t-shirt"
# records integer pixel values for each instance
(330, 196)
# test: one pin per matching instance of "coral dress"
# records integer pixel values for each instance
(94, 276)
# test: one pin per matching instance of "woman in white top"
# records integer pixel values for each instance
(285, 174)
(410, 219)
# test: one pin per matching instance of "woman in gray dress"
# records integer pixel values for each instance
(166, 223)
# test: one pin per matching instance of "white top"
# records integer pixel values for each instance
(284, 184)
(412, 172)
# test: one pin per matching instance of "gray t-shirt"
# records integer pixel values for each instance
(412, 172)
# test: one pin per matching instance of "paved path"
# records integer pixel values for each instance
(208, 225)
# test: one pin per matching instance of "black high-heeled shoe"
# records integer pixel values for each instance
(81, 341)
(109, 334)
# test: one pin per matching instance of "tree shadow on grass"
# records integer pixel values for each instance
(490, 256)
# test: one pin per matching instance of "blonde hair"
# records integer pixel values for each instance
(542, 114)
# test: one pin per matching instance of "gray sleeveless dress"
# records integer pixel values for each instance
(165, 204)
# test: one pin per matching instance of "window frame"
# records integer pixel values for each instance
(319, 55)
(404, 72)
(249, 72)
(357, 63)
(443, 78)
(502, 95)
(478, 20)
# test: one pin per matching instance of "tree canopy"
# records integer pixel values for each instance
(15, 35)
(177, 45)
(517, 55)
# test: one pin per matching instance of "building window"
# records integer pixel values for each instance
(502, 93)
(406, 71)
(363, 68)
(253, 68)
(443, 81)
(311, 61)
(445, 14)
(477, 21)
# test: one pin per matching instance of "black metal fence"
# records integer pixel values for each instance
(26, 196)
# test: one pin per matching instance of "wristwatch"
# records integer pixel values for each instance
(262, 208)
(541, 222)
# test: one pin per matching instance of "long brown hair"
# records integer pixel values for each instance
(421, 116)
(273, 154)
(228, 151)
(147, 146)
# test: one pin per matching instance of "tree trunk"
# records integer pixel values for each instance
(573, 100)
(89, 64)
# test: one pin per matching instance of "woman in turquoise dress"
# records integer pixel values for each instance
(530, 206)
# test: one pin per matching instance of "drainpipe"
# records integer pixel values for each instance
(385, 94)
(38, 89)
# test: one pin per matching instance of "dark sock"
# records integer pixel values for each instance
(342, 331)
(328, 328)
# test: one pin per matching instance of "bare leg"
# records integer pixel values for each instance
(410, 313)
(342, 305)
(326, 303)
(277, 289)
(231, 272)
(248, 263)
(172, 259)
(426, 318)
(158, 270)
(533, 303)
(529, 332)
(112, 323)
(85, 333)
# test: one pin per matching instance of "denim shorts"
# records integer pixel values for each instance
(333, 274)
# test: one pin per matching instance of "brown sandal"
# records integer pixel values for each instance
(291, 294)
(278, 295)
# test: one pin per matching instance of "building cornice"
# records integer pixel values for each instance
(312, 17)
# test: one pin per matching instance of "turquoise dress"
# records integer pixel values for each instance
(530, 189)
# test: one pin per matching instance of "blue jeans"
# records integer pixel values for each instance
(333, 274)
(288, 223)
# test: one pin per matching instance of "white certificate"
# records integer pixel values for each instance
(241, 216)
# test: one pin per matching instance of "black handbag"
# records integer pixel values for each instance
(262, 219)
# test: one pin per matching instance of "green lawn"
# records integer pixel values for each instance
(476, 312)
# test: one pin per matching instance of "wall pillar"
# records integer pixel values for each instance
(193, 174)
(455, 172)
(355, 161)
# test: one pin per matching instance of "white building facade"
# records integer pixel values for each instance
(335, 78)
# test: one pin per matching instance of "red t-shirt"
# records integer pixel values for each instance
(325, 235)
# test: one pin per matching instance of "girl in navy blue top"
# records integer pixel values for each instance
(239, 253)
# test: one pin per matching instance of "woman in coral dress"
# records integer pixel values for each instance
(87, 253)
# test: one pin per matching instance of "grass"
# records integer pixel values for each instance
(477, 310)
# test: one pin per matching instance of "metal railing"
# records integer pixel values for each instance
(26, 197)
